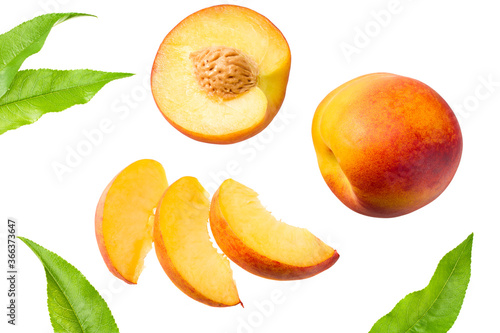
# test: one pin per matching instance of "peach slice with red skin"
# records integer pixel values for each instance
(184, 249)
(386, 144)
(220, 75)
(125, 215)
(251, 237)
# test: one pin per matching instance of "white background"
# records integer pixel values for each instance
(450, 45)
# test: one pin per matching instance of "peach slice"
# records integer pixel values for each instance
(220, 75)
(125, 215)
(251, 237)
(184, 249)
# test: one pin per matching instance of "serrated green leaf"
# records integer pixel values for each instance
(435, 308)
(24, 40)
(74, 304)
(36, 92)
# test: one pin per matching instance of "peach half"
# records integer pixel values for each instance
(220, 75)
(386, 145)
(251, 237)
(184, 249)
(125, 216)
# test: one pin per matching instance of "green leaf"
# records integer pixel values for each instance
(74, 304)
(435, 308)
(36, 92)
(24, 40)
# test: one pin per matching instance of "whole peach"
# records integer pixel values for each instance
(386, 144)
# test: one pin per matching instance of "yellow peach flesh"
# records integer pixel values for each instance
(184, 248)
(188, 107)
(251, 237)
(261, 231)
(124, 218)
